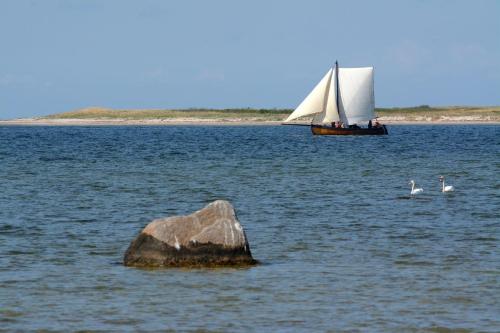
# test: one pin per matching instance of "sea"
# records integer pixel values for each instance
(342, 245)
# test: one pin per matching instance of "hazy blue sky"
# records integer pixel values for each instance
(62, 55)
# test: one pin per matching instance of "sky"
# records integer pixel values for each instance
(62, 55)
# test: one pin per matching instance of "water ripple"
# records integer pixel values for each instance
(343, 245)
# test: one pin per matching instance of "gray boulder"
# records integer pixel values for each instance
(211, 236)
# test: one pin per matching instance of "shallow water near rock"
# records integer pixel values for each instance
(342, 244)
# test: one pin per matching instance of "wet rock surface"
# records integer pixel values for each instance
(211, 236)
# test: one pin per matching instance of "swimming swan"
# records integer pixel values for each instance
(413, 189)
(445, 188)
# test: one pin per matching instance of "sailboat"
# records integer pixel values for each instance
(342, 101)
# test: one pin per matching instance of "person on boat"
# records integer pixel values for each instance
(370, 123)
(333, 124)
(340, 124)
(377, 124)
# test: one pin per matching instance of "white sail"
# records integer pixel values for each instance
(331, 113)
(315, 101)
(357, 100)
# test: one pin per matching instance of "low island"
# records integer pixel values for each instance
(423, 114)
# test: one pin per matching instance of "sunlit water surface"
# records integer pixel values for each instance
(342, 245)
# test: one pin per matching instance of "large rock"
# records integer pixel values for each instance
(211, 236)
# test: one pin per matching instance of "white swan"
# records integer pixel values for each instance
(446, 188)
(415, 190)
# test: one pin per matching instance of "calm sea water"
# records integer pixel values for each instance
(343, 247)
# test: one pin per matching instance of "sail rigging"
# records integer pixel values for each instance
(343, 94)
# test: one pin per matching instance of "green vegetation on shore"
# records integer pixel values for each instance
(425, 112)
(419, 113)
(243, 114)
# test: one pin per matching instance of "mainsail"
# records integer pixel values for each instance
(356, 100)
(357, 95)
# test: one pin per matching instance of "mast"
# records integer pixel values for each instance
(337, 93)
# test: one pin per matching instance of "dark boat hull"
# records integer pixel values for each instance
(325, 130)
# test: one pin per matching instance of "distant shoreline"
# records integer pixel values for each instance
(205, 122)
(99, 116)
